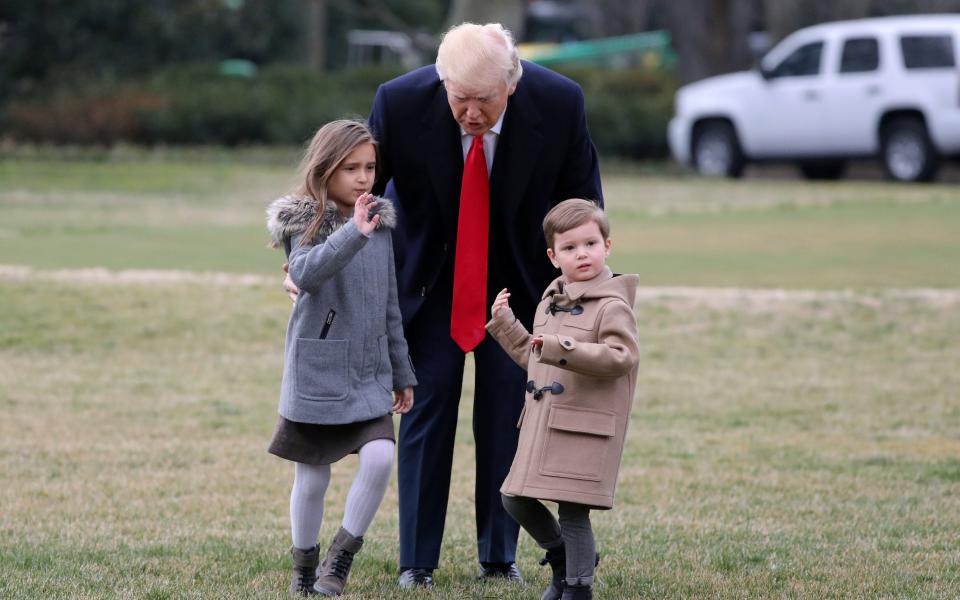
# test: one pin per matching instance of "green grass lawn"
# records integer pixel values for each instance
(208, 215)
(800, 447)
(804, 449)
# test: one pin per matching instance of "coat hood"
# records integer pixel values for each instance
(291, 214)
(605, 285)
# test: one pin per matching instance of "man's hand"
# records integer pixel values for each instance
(288, 285)
(501, 301)
(403, 401)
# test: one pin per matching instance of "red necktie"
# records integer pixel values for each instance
(470, 262)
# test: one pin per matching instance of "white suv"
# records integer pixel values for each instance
(886, 87)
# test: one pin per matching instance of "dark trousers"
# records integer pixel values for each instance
(427, 432)
(572, 531)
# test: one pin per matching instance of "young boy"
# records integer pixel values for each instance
(581, 362)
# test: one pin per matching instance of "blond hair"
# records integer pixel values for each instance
(330, 146)
(573, 213)
(479, 55)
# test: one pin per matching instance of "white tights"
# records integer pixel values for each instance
(310, 486)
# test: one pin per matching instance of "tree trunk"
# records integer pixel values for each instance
(509, 13)
(621, 18)
(317, 35)
(711, 36)
(783, 18)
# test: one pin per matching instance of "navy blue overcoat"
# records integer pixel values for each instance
(544, 155)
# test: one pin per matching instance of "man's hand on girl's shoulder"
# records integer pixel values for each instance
(288, 286)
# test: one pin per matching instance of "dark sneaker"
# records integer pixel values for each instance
(410, 578)
(508, 571)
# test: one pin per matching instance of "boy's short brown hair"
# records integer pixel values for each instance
(574, 213)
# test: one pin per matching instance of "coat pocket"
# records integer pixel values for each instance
(577, 442)
(321, 369)
(384, 368)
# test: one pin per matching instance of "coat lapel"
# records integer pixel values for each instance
(519, 144)
(440, 143)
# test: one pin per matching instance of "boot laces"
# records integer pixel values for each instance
(341, 564)
(306, 577)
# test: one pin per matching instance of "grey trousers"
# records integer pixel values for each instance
(572, 530)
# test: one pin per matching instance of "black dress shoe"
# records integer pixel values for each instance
(410, 578)
(508, 571)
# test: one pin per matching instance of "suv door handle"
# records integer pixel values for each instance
(811, 95)
(873, 90)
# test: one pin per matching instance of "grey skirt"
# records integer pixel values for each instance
(315, 444)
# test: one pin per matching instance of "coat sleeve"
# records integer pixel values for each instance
(511, 335)
(400, 362)
(580, 175)
(310, 265)
(614, 354)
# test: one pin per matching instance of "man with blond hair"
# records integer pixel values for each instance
(474, 151)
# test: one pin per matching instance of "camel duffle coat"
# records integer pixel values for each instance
(579, 391)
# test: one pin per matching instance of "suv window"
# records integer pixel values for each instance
(805, 60)
(860, 55)
(927, 51)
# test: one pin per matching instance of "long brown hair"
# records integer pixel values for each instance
(330, 146)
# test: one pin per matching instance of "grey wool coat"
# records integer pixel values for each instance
(345, 349)
(574, 421)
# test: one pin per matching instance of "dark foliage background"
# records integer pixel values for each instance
(284, 104)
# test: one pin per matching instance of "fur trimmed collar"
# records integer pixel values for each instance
(289, 215)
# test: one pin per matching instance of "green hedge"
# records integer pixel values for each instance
(627, 111)
(194, 104)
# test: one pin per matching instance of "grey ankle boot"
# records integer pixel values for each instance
(557, 559)
(577, 592)
(304, 571)
(335, 568)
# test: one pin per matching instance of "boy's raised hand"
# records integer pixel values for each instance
(361, 214)
(501, 301)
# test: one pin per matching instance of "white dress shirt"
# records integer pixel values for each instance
(489, 142)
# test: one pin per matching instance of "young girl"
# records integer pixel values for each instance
(345, 350)
(581, 362)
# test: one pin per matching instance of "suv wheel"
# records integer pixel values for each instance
(823, 169)
(906, 150)
(716, 150)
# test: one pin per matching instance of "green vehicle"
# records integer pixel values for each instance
(648, 50)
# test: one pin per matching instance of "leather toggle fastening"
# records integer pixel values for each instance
(554, 388)
(554, 308)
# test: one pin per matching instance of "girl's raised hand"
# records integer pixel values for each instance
(361, 214)
(501, 301)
